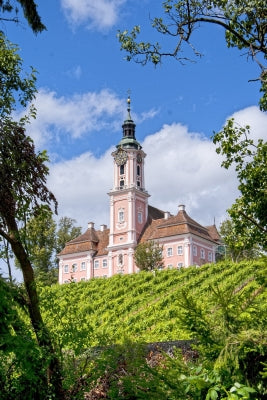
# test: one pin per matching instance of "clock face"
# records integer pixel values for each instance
(121, 157)
(139, 158)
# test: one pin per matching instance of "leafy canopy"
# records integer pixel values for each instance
(148, 256)
(244, 23)
(248, 213)
(15, 89)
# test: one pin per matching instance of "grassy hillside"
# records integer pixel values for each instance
(148, 307)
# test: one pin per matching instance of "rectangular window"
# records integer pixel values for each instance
(180, 250)
(105, 263)
(121, 216)
(180, 265)
(140, 217)
(83, 266)
(74, 267)
(210, 256)
(66, 269)
(202, 254)
(170, 266)
(82, 279)
(194, 250)
(169, 251)
(96, 264)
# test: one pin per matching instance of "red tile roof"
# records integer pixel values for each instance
(91, 239)
(179, 224)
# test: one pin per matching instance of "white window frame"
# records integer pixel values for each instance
(82, 279)
(169, 252)
(180, 250)
(121, 215)
(105, 261)
(180, 265)
(74, 267)
(194, 250)
(66, 269)
(210, 256)
(83, 266)
(202, 254)
(140, 217)
(96, 264)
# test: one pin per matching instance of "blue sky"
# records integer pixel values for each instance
(83, 79)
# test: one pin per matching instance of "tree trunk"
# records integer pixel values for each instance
(41, 332)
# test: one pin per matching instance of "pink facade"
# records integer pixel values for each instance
(105, 252)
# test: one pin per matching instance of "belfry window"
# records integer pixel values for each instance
(121, 169)
(121, 183)
(138, 170)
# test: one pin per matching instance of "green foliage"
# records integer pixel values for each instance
(14, 86)
(248, 213)
(66, 232)
(244, 24)
(39, 237)
(235, 243)
(22, 363)
(100, 327)
(6, 255)
(148, 256)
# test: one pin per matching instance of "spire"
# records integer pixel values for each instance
(128, 138)
(129, 108)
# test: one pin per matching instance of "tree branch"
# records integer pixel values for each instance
(253, 221)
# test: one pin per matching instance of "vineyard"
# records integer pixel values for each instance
(146, 307)
(101, 329)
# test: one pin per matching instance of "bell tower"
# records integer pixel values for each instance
(128, 199)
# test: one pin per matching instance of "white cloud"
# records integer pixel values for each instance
(181, 167)
(256, 119)
(95, 14)
(81, 187)
(75, 116)
(60, 117)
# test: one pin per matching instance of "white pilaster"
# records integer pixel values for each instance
(60, 272)
(186, 253)
(89, 267)
(130, 260)
(110, 269)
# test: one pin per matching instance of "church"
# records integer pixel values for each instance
(109, 251)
